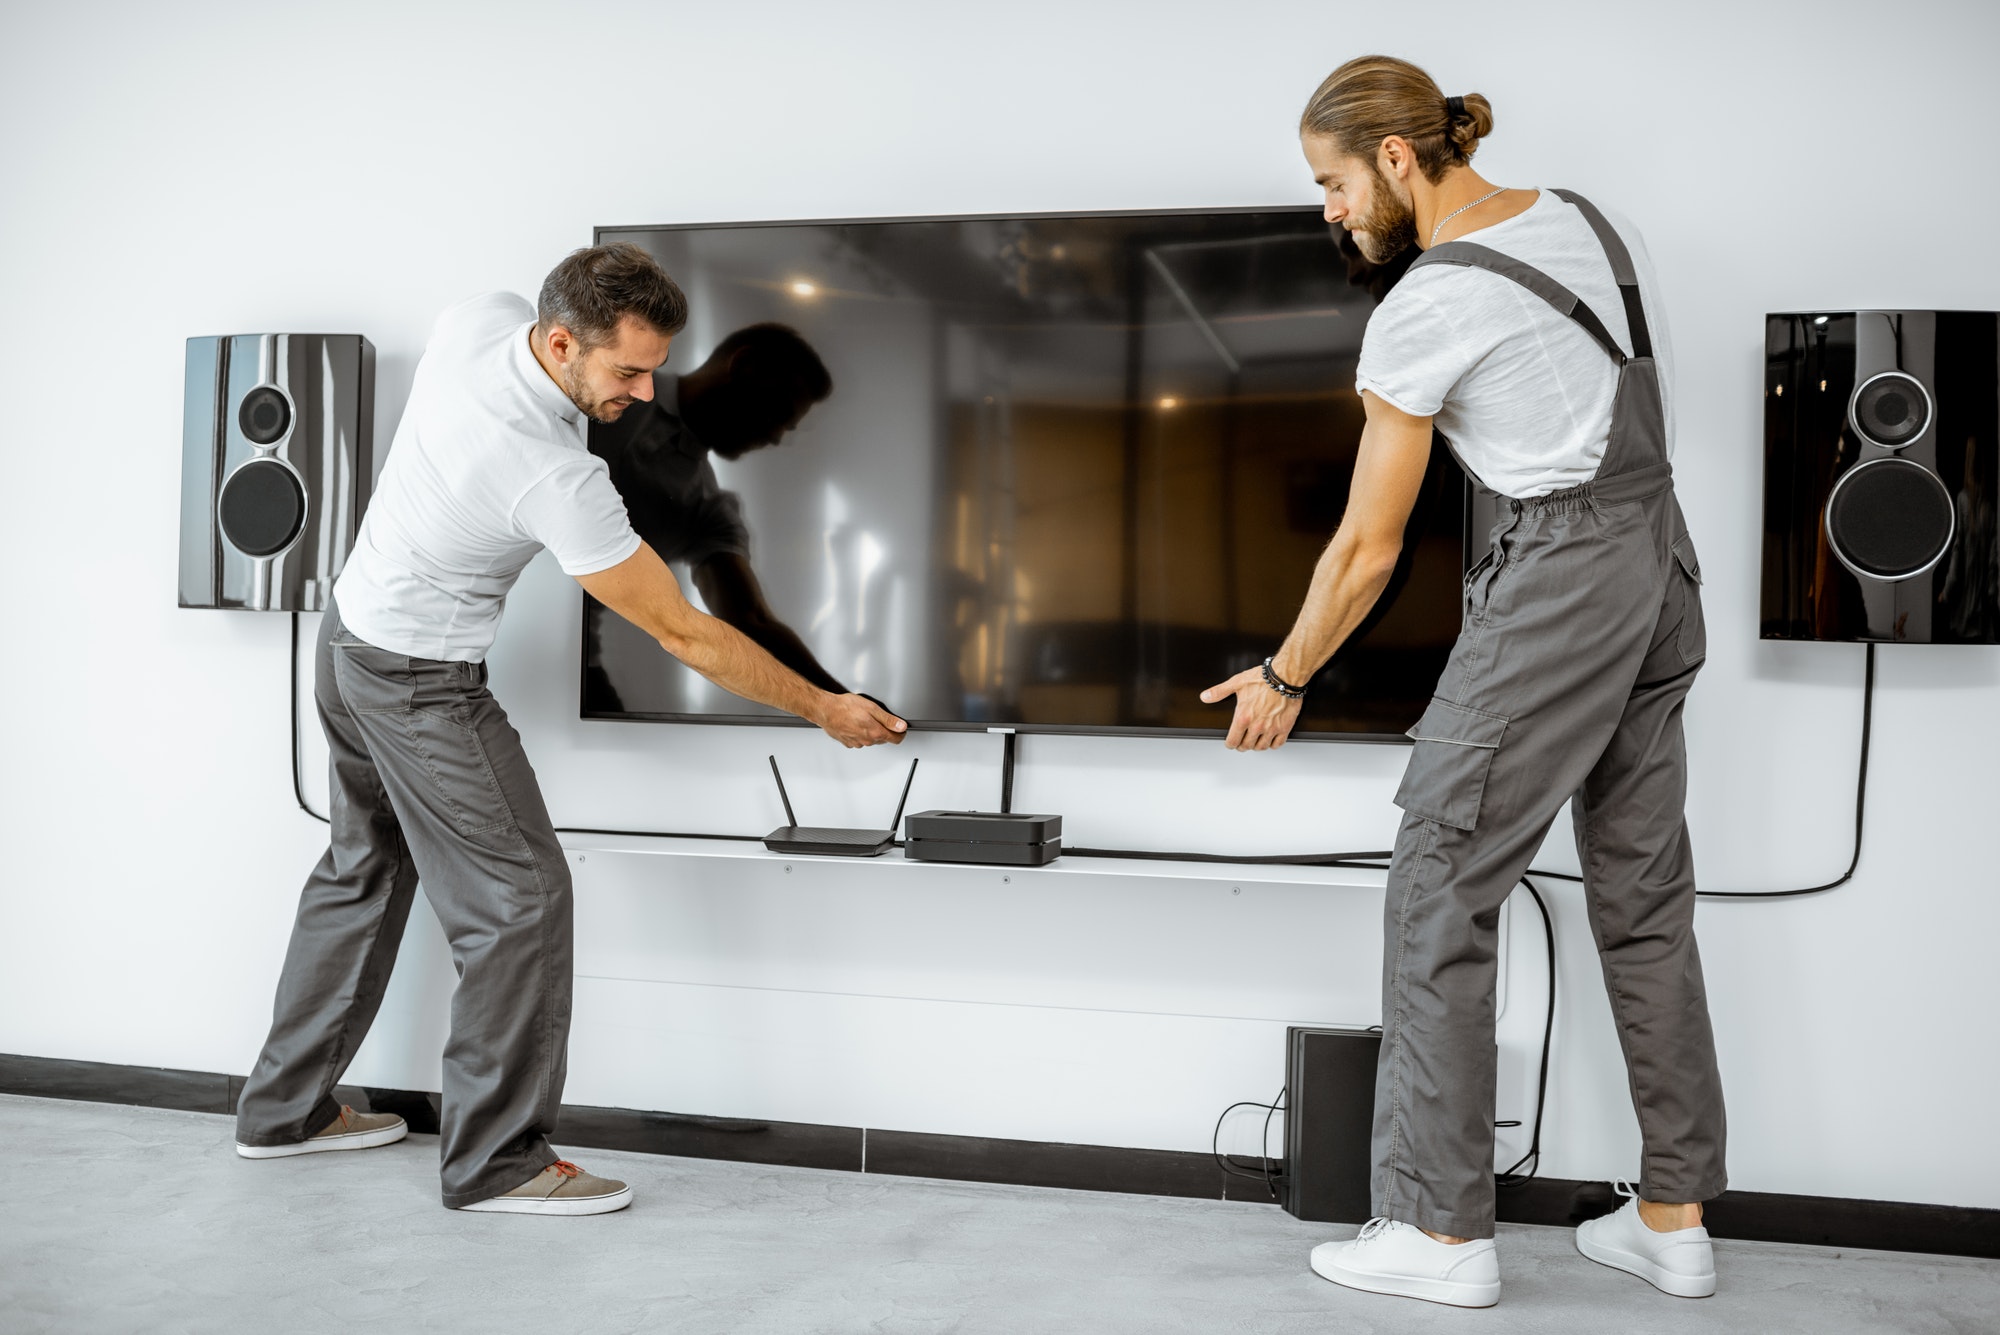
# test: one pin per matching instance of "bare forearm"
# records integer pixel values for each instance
(1348, 579)
(643, 591)
(1352, 572)
(783, 643)
(730, 588)
(738, 664)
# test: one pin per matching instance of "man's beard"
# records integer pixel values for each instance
(596, 409)
(1390, 227)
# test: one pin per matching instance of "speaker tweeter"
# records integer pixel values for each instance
(1891, 409)
(266, 415)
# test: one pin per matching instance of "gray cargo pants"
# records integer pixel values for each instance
(1583, 633)
(428, 779)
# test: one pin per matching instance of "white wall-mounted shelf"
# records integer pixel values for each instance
(1232, 873)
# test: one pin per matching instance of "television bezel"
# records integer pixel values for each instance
(1468, 518)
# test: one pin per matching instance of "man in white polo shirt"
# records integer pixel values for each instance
(428, 779)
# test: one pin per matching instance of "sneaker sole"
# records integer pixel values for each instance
(1666, 1281)
(354, 1140)
(555, 1205)
(1449, 1292)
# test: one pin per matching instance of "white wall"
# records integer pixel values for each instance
(1778, 157)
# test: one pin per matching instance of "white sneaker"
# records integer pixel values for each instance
(1402, 1259)
(1681, 1262)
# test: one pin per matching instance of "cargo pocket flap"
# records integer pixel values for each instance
(1447, 722)
(1684, 553)
(1446, 778)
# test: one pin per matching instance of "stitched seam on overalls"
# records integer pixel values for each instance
(1592, 869)
(1425, 840)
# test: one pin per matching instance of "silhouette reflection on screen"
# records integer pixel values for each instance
(754, 389)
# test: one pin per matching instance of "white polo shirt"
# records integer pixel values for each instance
(1522, 393)
(488, 467)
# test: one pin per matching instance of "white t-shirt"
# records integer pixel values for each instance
(1522, 393)
(488, 467)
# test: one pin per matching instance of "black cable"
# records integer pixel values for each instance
(1860, 805)
(661, 834)
(1264, 1142)
(299, 791)
(1227, 1163)
(298, 764)
(1513, 1177)
(1372, 860)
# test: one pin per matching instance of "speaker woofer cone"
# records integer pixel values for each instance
(1890, 409)
(262, 508)
(265, 415)
(1889, 519)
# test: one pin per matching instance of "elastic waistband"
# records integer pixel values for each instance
(1619, 489)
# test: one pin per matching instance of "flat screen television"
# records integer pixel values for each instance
(1071, 470)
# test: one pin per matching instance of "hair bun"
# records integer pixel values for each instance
(1468, 120)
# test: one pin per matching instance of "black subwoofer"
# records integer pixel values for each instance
(275, 467)
(1329, 1122)
(1881, 439)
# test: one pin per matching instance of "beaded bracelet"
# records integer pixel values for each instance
(1280, 685)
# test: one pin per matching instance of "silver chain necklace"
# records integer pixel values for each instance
(1462, 208)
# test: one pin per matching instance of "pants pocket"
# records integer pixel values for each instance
(1446, 777)
(371, 680)
(454, 757)
(1693, 639)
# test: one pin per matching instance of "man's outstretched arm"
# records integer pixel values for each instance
(1351, 574)
(643, 591)
(731, 591)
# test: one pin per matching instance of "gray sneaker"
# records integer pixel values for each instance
(561, 1188)
(350, 1131)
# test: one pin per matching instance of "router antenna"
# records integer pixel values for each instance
(790, 819)
(897, 819)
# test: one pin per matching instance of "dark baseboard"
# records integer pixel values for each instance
(1824, 1221)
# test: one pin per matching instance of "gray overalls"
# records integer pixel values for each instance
(1582, 634)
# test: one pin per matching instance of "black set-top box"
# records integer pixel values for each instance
(1009, 839)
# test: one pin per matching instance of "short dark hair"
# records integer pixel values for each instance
(776, 358)
(596, 287)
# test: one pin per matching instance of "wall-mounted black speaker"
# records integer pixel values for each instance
(276, 462)
(1882, 477)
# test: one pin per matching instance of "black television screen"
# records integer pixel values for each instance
(1068, 470)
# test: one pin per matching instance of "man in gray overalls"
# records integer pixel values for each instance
(1582, 634)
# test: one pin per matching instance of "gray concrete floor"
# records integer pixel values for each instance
(136, 1219)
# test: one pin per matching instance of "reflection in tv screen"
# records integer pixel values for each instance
(1056, 473)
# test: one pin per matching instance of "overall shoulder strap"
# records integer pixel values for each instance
(1468, 255)
(1622, 269)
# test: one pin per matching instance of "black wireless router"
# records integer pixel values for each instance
(828, 841)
